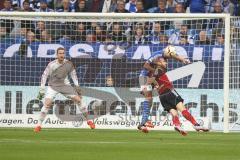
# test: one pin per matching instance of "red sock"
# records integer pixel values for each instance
(176, 121)
(189, 117)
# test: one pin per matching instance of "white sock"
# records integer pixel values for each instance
(42, 115)
(83, 110)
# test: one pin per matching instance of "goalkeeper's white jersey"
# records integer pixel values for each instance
(58, 73)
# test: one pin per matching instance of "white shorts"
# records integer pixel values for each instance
(146, 88)
(67, 91)
(143, 84)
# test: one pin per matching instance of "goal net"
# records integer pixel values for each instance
(108, 51)
(234, 75)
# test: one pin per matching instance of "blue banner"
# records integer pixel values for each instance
(108, 51)
(123, 62)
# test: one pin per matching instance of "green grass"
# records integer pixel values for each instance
(73, 144)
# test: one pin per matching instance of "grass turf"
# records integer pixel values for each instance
(73, 144)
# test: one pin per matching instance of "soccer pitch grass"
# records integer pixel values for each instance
(76, 144)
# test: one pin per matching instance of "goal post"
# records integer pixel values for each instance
(226, 74)
(108, 50)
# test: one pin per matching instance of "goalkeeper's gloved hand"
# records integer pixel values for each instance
(78, 90)
(41, 93)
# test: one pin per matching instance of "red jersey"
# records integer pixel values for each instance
(164, 83)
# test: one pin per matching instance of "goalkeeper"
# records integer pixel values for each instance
(57, 73)
(155, 68)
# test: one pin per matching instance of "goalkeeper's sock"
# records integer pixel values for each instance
(83, 110)
(176, 121)
(43, 114)
(189, 117)
(145, 112)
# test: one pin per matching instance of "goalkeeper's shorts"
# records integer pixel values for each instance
(170, 99)
(66, 90)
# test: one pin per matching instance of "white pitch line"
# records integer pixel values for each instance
(103, 142)
(58, 142)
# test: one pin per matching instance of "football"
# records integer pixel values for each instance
(169, 51)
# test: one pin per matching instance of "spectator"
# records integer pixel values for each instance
(44, 7)
(66, 32)
(228, 7)
(216, 23)
(94, 5)
(121, 7)
(57, 4)
(155, 35)
(139, 7)
(7, 6)
(109, 81)
(3, 31)
(80, 33)
(26, 7)
(28, 24)
(16, 4)
(46, 37)
(90, 38)
(161, 7)
(219, 39)
(202, 39)
(196, 6)
(109, 6)
(1, 5)
(236, 7)
(217, 8)
(23, 34)
(171, 5)
(34, 4)
(117, 33)
(131, 6)
(8, 23)
(65, 6)
(73, 5)
(139, 37)
(149, 4)
(179, 8)
(163, 39)
(81, 7)
(100, 34)
(91, 26)
(183, 40)
(180, 36)
(31, 37)
(40, 27)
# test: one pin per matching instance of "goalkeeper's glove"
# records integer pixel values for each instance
(41, 93)
(78, 90)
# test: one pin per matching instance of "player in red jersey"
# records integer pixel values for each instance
(156, 66)
(169, 98)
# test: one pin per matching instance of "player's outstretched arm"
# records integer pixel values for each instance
(171, 53)
(73, 75)
(180, 59)
(44, 77)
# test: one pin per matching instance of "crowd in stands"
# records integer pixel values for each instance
(179, 32)
(123, 6)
